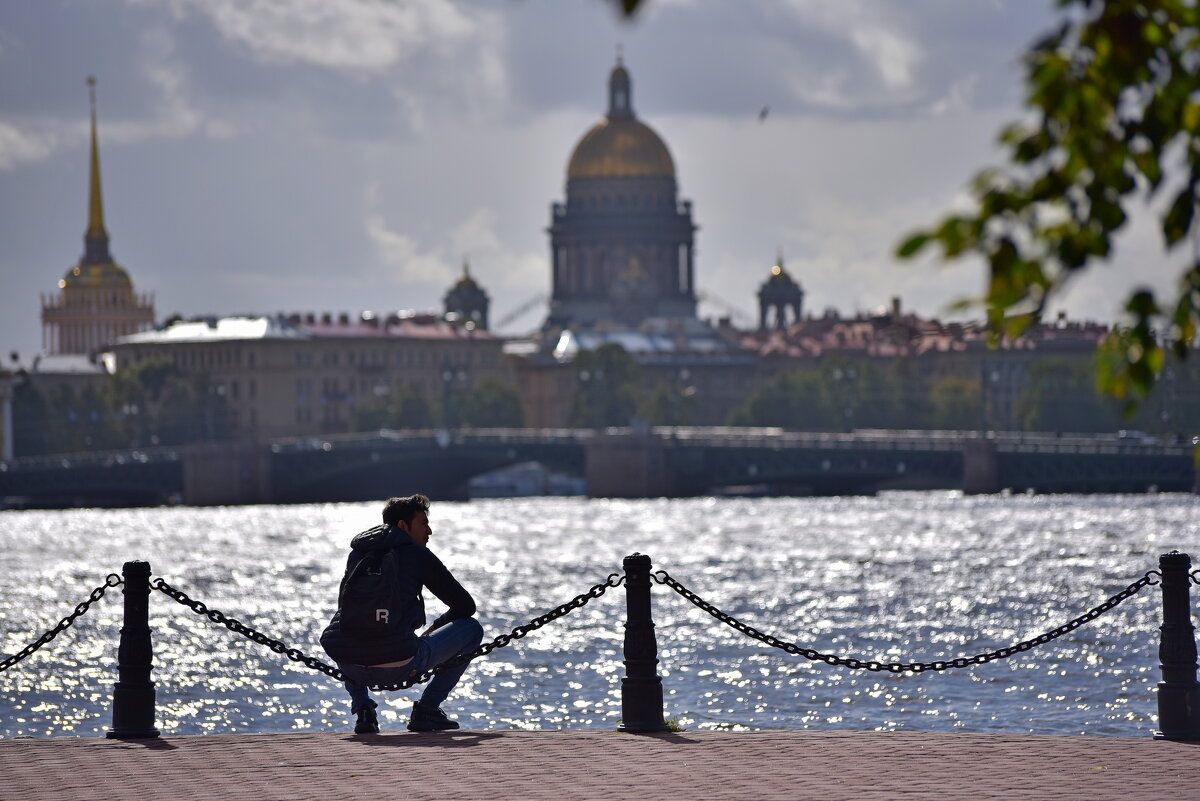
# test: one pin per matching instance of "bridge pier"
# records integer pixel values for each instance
(981, 471)
(225, 473)
(628, 465)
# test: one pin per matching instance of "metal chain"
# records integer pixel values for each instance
(613, 580)
(578, 602)
(662, 577)
(112, 580)
(233, 624)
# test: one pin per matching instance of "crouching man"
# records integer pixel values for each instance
(372, 636)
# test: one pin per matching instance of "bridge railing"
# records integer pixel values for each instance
(425, 437)
(79, 459)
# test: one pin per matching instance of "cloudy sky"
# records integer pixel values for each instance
(341, 155)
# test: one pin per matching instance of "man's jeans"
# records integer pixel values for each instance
(457, 637)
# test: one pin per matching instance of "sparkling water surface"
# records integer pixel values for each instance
(896, 577)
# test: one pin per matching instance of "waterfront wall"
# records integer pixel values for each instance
(617, 463)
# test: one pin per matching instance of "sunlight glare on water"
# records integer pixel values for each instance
(900, 576)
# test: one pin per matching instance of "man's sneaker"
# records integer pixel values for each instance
(429, 718)
(367, 723)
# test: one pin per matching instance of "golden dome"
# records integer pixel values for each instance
(621, 145)
(103, 274)
(624, 147)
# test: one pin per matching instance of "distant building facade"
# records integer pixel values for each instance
(8, 383)
(307, 373)
(96, 302)
(933, 348)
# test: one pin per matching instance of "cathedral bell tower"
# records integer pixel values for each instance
(622, 245)
(779, 294)
(467, 300)
(96, 303)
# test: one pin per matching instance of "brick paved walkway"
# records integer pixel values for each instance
(331, 766)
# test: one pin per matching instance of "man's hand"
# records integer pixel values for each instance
(429, 630)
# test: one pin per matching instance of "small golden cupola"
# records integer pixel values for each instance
(780, 293)
(467, 301)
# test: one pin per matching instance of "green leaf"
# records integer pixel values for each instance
(1147, 164)
(909, 247)
(1142, 305)
(1190, 118)
(1179, 217)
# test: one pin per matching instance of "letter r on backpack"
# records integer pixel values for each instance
(381, 614)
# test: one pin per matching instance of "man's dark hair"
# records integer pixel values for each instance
(397, 509)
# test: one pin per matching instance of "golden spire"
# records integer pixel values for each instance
(96, 238)
(95, 204)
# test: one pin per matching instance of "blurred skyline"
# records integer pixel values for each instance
(263, 156)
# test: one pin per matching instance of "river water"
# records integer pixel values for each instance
(901, 576)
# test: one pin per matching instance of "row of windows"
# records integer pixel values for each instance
(224, 357)
(330, 415)
(206, 357)
(235, 416)
(233, 389)
(94, 303)
(371, 388)
(404, 358)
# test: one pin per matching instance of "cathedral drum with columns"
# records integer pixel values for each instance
(621, 246)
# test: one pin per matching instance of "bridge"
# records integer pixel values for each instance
(650, 462)
(438, 463)
(696, 461)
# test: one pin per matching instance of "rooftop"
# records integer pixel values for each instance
(308, 326)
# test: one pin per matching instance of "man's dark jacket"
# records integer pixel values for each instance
(418, 568)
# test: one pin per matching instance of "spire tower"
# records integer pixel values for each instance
(95, 239)
(96, 303)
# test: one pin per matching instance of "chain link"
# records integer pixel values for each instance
(112, 580)
(613, 580)
(233, 624)
(662, 577)
(578, 602)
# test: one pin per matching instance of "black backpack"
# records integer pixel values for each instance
(369, 600)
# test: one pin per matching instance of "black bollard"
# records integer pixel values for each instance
(641, 688)
(133, 694)
(1178, 692)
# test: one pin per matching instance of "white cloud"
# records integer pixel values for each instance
(869, 26)
(958, 98)
(407, 264)
(894, 56)
(437, 58)
(496, 265)
(354, 35)
(173, 114)
(19, 147)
